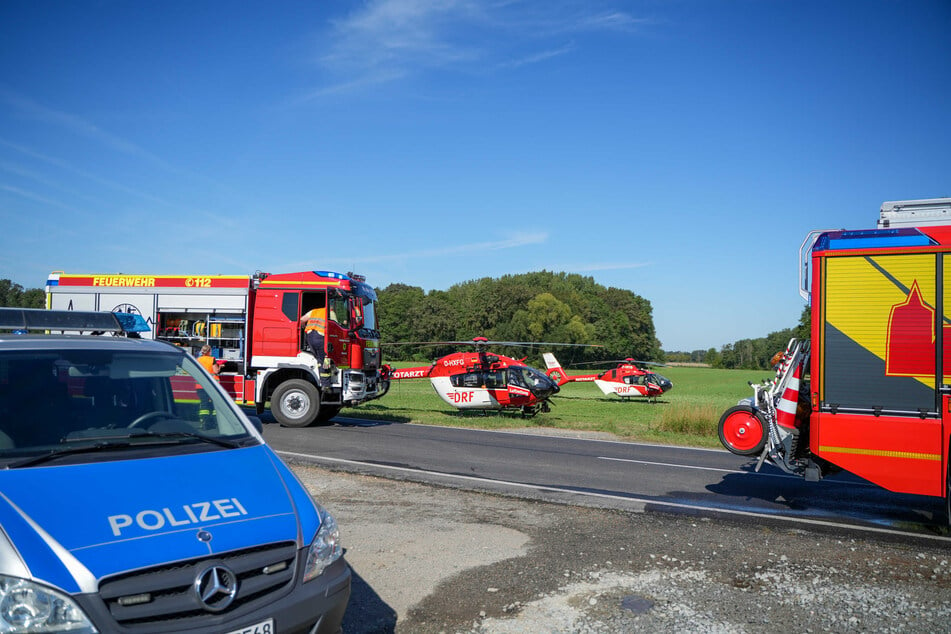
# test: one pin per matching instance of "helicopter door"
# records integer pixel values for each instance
(518, 391)
(466, 391)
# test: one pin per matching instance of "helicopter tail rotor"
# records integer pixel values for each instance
(554, 370)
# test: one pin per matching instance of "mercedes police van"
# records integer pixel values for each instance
(136, 497)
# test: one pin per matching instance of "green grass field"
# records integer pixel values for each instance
(686, 415)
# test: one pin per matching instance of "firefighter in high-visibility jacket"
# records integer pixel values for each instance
(314, 323)
(206, 409)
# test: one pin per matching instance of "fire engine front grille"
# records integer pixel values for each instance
(167, 593)
(371, 359)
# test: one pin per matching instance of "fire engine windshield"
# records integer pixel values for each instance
(369, 314)
(364, 293)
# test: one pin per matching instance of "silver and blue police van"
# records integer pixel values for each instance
(135, 497)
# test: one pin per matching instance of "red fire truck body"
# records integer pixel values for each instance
(880, 388)
(252, 325)
(870, 391)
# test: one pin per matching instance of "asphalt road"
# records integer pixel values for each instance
(439, 560)
(604, 473)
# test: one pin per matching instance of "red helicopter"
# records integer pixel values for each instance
(480, 380)
(629, 379)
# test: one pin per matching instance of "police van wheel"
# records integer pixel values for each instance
(295, 403)
(742, 431)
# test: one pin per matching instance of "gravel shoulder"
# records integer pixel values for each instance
(433, 559)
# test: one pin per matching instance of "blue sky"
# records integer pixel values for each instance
(680, 149)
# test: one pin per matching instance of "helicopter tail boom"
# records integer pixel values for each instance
(411, 373)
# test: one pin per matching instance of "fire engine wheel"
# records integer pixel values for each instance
(742, 431)
(295, 403)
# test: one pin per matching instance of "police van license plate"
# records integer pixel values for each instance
(264, 627)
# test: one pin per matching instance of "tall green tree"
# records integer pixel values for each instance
(804, 329)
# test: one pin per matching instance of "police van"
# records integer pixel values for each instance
(136, 497)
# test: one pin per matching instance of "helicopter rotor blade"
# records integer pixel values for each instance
(482, 341)
(609, 361)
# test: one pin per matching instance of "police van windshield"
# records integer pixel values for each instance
(51, 400)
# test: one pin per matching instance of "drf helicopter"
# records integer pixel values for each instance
(631, 378)
(480, 380)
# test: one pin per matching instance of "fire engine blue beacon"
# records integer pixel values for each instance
(123, 509)
(332, 275)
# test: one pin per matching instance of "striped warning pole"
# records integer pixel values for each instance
(789, 401)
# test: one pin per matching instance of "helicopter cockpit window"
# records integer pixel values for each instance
(516, 378)
(536, 378)
(528, 378)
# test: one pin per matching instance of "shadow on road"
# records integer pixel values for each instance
(343, 421)
(369, 418)
(367, 612)
(842, 497)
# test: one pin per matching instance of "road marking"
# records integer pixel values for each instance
(787, 476)
(623, 498)
(519, 432)
(687, 466)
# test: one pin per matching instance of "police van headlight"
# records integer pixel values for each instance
(326, 548)
(29, 607)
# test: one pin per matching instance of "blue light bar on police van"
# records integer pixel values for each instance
(872, 239)
(132, 322)
(36, 319)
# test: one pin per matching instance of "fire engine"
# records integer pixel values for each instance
(870, 392)
(252, 325)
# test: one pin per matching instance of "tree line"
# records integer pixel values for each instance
(748, 354)
(531, 307)
(536, 307)
(12, 294)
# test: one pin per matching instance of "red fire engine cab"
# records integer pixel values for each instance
(252, 324)
(870, 392)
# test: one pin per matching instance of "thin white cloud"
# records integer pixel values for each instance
(614, 266)
(389, 33)
(59, 163)
(515, 242)
(30, 108)
(537, 57)
(613, 21)
(361, 83)
(386, 40)
(23, 193)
